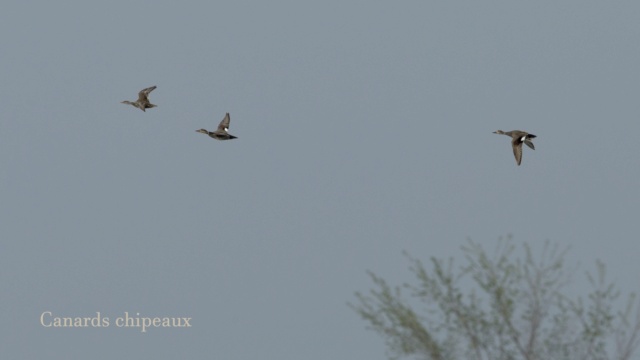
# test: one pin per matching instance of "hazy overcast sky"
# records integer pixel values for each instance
(364, 129)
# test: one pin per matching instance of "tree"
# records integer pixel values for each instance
(501, 308)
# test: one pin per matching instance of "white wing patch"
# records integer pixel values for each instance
(226, 129)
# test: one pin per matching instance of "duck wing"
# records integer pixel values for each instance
(517, 150)
(224, 124)
(144, 93)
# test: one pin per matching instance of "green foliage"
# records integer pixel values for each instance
(510, 308)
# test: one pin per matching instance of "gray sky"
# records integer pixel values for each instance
(364, 129)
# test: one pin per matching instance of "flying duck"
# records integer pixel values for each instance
(221, 133)
(143, 99)
(517, 139)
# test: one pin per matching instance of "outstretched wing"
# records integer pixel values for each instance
(224, 124)
(144, 93)
(517, 150)
(529, 144)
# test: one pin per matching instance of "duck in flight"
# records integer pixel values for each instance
(143, 99)
(221, 133)
(517, 139)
